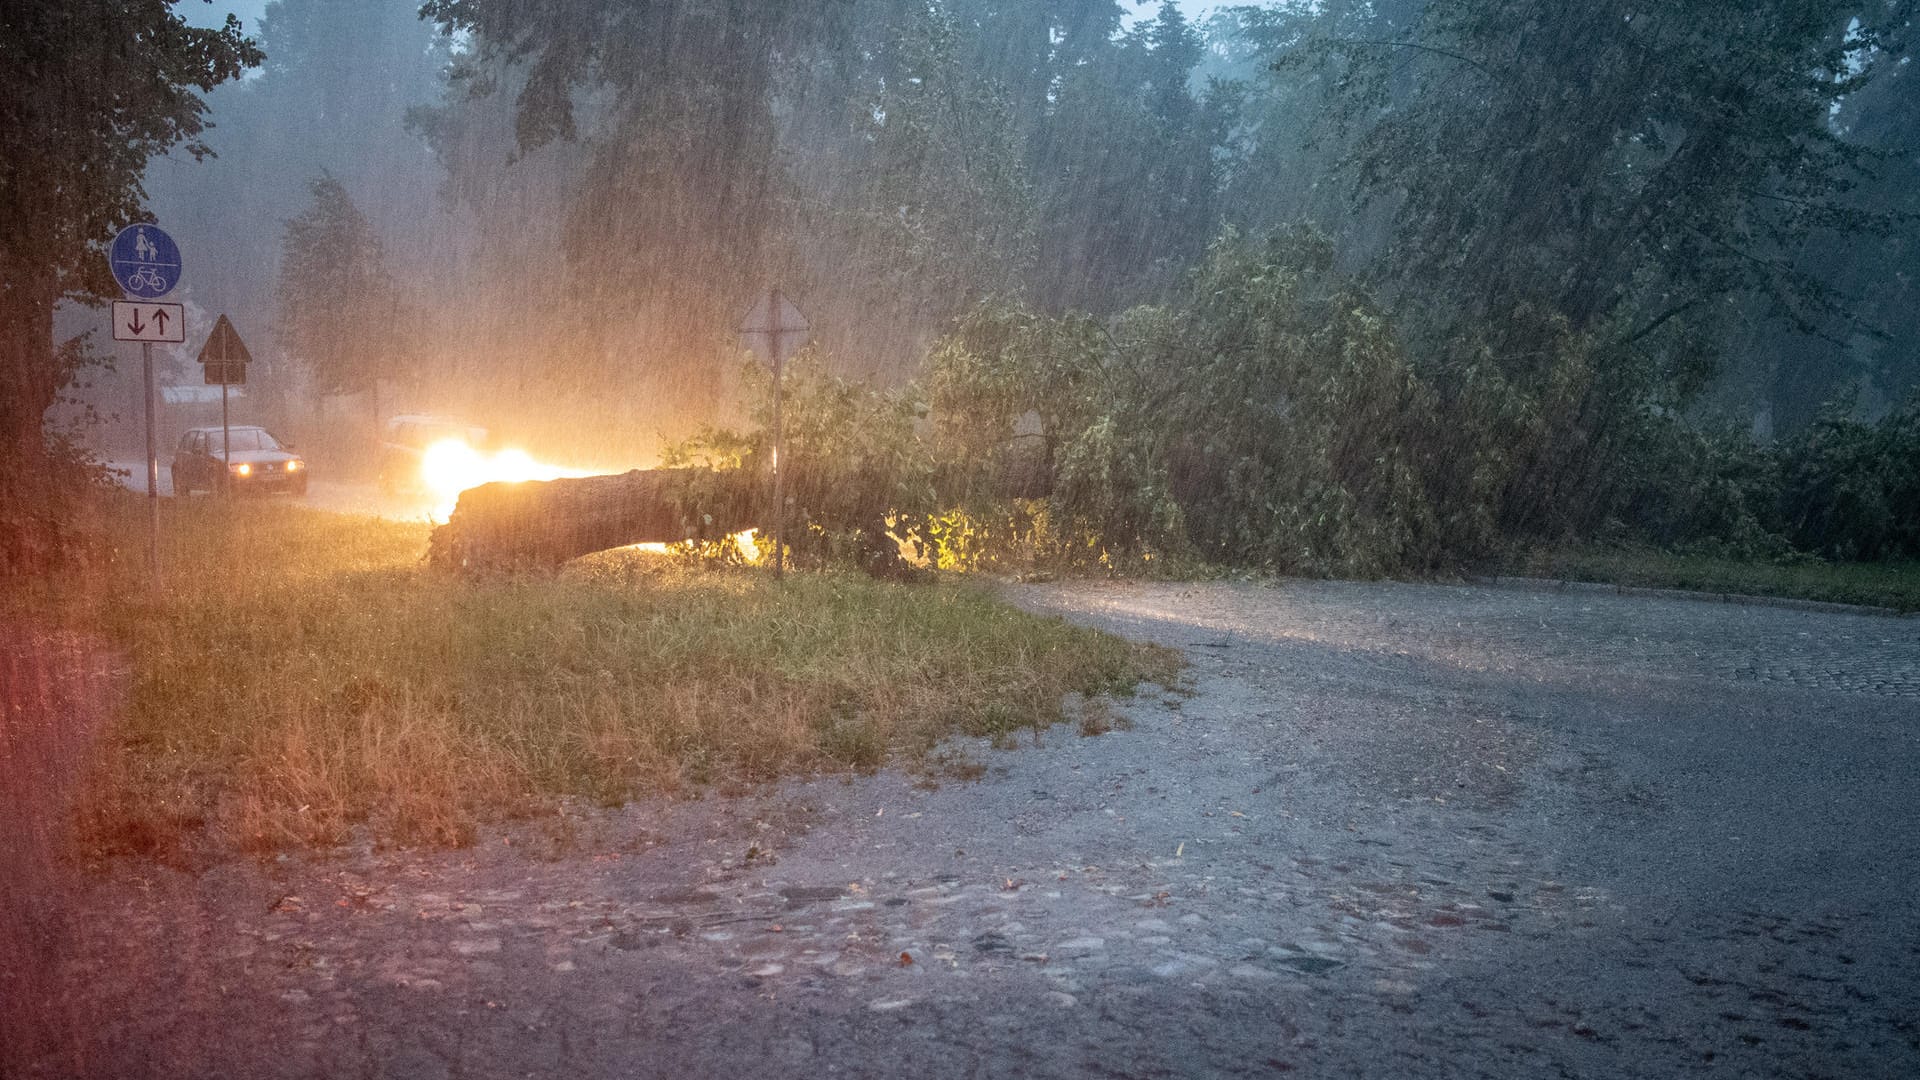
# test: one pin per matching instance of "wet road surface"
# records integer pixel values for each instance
(339, 496)
(1385, 830)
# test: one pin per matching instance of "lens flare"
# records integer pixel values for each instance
(451, 466)
(745, 540)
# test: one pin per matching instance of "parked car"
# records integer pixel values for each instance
(250, 460)
(405, 439)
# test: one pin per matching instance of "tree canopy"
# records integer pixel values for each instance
(90, 90)
(336, 307)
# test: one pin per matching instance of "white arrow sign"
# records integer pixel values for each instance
(139, 320)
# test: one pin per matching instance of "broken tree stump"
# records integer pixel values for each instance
(545, 523)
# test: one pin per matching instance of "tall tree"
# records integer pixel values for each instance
(337, 309)
(332, 95)
(922, 204)
(1613, 162)
(89, 91)
(1128, 168)
(673, 100)
(1877, 354)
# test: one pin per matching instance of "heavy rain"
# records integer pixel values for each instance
(962, 538)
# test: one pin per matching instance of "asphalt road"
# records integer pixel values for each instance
(1387, 830)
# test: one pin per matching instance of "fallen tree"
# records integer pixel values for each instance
(545, 523)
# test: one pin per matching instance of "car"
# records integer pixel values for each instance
(405, 439)
(250, 459)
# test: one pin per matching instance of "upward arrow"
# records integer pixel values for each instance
(159, 317)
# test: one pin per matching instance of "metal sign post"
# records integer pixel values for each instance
(224, 359)
(153, 468)
(779, 439)
(146, 262)
(775, 328)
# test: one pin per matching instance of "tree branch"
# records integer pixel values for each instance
(1467, 60)
(1659, 321)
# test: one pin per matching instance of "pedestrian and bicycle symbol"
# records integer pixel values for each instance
(145, 261)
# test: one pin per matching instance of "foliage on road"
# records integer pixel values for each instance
(1273, 417)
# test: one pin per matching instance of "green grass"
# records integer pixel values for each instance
(1891, 584)
(301, 673)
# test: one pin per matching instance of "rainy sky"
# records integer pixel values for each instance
(203, 13)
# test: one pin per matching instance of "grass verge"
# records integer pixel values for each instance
(301, 673)
(1890, 584)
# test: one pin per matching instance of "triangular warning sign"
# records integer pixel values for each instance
(224, 345)
(762, 318)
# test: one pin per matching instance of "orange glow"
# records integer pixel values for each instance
(243, 469)
(450, 467)
(745, 540)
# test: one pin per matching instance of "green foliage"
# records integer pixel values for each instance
(92, 91)
(1023, 403)
(1710, 489)
(853, 462)
(1893, 585)
(1610, 155)
(940, 207)
(1305, 430)
(1851, 490)
(1129, 161)
(1274, 418)
(50, 523)
(336, 308)
(1270, 420)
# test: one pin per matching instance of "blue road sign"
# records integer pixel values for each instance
(145, 261)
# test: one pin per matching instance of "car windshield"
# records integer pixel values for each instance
(243, 439)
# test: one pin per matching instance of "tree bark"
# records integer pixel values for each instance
(28, 379)
(29, 383)
(545, 523)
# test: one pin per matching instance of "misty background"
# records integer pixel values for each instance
(551, 228)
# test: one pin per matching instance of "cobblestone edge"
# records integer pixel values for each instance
(1706, 595)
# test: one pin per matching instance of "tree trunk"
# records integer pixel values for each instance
(500, 526)
(29, 382)
(504, 526)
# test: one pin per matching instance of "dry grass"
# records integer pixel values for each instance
(304, 673)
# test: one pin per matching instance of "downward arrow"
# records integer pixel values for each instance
(136, 325)
(160, 319)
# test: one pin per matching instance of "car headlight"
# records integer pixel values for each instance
(243, 469)
(293, 466)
